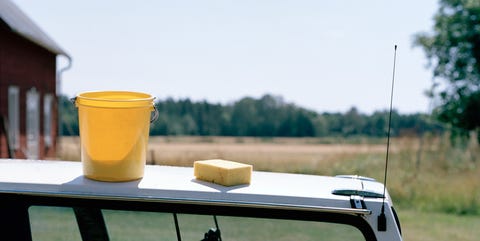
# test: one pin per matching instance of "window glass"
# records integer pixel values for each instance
(128, 225)
(53, 223)
(33, 124)
(47, 119)
(193, 227)
(14, 116)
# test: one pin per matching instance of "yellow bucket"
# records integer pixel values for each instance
(114, 127)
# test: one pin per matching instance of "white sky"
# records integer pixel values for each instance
(319, 54)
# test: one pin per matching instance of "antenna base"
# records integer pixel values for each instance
(382, 222)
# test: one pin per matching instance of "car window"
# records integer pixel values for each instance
(54, 223)
(241, 228)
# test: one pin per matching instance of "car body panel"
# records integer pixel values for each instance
(177, 186)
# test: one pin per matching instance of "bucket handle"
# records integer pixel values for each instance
(153, 118)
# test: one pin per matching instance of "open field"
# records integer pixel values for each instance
(436, 187)
(273, 154)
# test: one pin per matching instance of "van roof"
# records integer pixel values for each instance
(177, 184)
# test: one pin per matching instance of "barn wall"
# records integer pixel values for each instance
(26, 65)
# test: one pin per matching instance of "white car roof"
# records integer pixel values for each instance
(60, 178)
(357, 197)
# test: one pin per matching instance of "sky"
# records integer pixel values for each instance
(326, 56)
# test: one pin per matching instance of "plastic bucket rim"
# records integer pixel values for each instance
(99, 99)
(81, 96)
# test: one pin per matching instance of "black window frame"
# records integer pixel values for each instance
(15, 223)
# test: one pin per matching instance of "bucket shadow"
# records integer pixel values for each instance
(82, 185)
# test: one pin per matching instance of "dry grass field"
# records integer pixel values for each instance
(427, 177)
(264, 156)
(272, 154)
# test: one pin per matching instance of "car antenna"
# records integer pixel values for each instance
(382, 220)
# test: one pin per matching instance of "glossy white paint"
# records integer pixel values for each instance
(177, 184)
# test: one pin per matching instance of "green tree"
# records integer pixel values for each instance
(68, 117)
(453, 51)
(244, 119)
(376, 124)
(353, 122)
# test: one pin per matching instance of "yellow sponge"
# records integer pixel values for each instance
(226, 173)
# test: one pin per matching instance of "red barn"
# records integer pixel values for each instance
(28, 79)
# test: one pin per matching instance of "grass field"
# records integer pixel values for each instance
(436, 187)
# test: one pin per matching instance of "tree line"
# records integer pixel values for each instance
(268, 116)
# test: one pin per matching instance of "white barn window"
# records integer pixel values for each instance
(47, 119)
(33, 124)
(14, 116)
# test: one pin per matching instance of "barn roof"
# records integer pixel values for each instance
(21, 24)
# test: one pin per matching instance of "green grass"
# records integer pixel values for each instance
(434, 226)
(53, 224)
